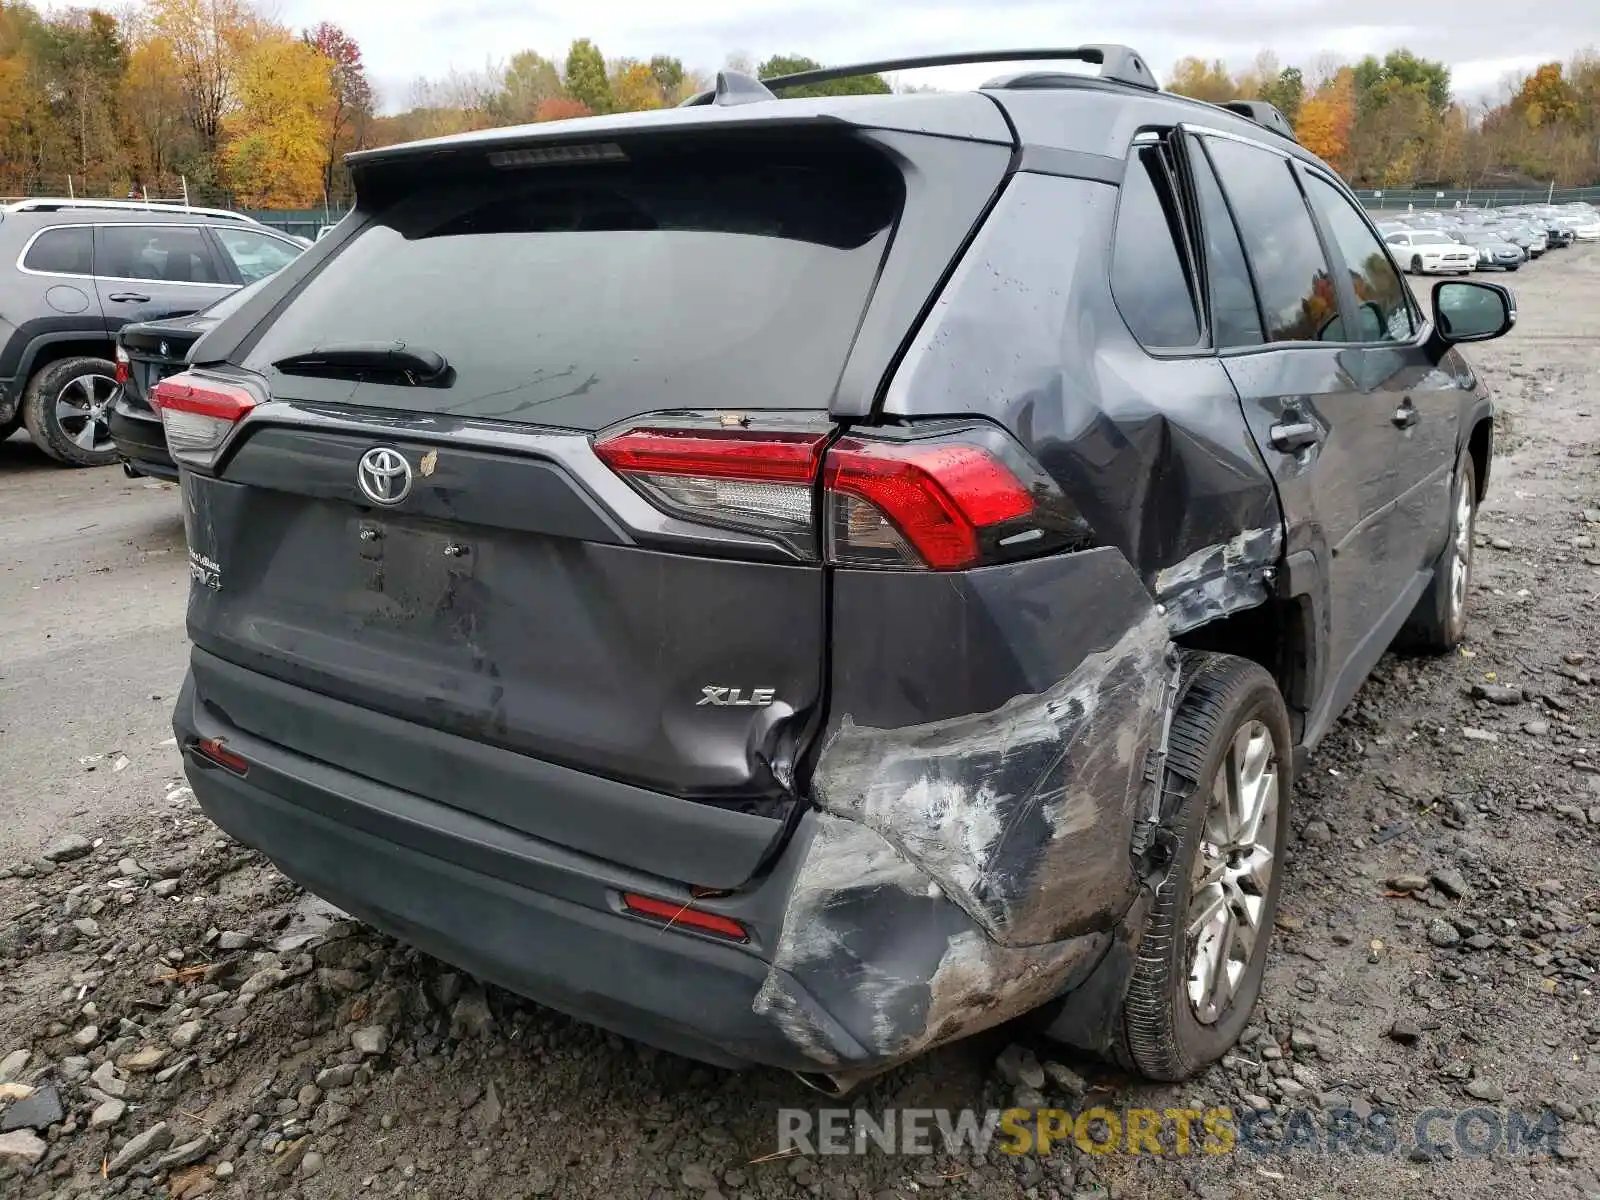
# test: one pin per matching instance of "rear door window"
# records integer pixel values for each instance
(577, 297)
(1235, 319)
(1292, 274)
(159, 253)
(68, 251)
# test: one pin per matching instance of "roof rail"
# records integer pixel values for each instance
(1263, 114)
(68, 203)
(1120, 64)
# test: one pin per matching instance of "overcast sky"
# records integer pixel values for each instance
(1482, 40)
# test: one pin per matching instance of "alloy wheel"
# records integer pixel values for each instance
(1233, 871)
(1460, 555)
(83, 411)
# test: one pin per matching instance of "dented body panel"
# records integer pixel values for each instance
(1151, 450)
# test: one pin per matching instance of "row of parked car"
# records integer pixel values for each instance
(88, 293)
(1460, 241)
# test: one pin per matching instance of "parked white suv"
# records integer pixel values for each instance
(1425, 251)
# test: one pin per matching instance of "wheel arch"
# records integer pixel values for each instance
(50, 348)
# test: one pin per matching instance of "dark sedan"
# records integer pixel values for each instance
(147, 352)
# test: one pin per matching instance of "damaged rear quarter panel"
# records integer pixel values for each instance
(978, 786)
(1153, 449)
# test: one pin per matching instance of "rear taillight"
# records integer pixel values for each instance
(198, 413)
(891, 504)
(755, 479)
(958, 498)
(122, 366)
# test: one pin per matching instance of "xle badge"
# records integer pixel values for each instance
(723, 697)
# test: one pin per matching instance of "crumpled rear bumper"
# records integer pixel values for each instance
(549, 925)
(948, 876)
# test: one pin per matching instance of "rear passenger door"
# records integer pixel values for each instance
(1326, 437)
(1425, 403)
(144, 272)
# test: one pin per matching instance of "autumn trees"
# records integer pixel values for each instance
(247, 110)
(240, 107)
(1392, 122)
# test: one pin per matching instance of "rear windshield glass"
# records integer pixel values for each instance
(578, 297)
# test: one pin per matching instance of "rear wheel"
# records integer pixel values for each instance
(1204, 949)
(1439, 622)
(67, 409)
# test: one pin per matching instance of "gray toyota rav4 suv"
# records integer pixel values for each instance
(799, 581)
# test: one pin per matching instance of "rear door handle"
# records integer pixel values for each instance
(1406, 415)
(130, 298)
(1294, 436)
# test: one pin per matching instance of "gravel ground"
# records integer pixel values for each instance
(177, 1020)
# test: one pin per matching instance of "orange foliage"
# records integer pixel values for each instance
(1326, 119)
(561, 108)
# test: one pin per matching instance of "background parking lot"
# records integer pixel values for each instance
(1438, 944)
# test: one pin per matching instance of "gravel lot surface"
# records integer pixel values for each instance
(176, 1019)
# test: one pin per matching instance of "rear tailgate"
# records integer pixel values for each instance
(516, 593)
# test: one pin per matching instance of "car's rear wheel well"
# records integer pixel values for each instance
(54, 352)
(1277, 636)
(1478, 446)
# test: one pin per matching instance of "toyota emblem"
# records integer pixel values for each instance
(384, 475)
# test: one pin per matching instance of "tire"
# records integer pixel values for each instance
(1169, 1029)
(1416, 264)
(66, 409)
(1513, 266)
(1439, 622)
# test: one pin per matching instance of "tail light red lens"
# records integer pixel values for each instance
(943, 502)
(121, 373)
(198, 413)
(760, 481)
(936, 497)
(767, 456)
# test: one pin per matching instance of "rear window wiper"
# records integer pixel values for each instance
(389, 362)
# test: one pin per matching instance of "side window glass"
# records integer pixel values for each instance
(1383, 312)
(62, 252)
(1234, 316)
(1292, 276)
(1150, 273)
(161, 253)
(255, 254)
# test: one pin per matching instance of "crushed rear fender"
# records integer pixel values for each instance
(973, 853)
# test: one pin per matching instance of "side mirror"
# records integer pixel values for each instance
(1472, 312)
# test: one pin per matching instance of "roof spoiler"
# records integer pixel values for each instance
(1118, 64)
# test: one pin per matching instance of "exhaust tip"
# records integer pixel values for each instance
(829, 1085)
(127, 469)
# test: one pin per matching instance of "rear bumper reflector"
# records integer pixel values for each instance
(668, 913)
